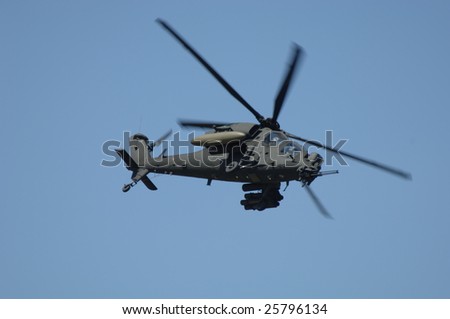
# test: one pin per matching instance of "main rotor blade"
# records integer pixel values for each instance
(297, 50)
(384, 167)
(189, 123)
(214, 73)
(318, 203)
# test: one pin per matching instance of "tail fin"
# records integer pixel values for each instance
(136, 161)
(147, 182)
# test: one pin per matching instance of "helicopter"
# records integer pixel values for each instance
(260, 155)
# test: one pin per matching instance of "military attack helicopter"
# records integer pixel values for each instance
(261, 155)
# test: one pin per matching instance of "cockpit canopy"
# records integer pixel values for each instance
(275, 137)
(290, 147)
(286, 146)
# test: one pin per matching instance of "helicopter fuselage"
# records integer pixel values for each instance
(261, 158)
(261, 155)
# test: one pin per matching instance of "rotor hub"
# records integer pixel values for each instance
(270, 123)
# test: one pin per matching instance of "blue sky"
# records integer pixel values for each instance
(76, 74)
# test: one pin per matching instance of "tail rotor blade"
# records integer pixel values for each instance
(159, 140)
(318, 203)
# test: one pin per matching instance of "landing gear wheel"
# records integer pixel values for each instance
(126, 188)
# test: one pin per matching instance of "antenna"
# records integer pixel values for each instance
(140, 124)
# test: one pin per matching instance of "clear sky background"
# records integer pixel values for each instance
(74, 74)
